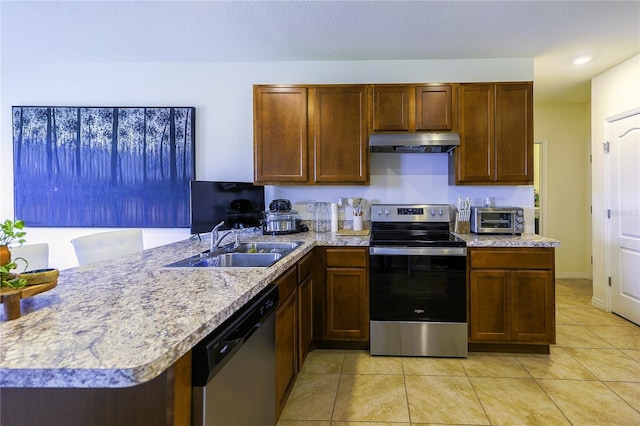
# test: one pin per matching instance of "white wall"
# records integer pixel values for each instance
(565, 127)
(222, 95)
(613, 92)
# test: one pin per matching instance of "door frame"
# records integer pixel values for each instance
(607, 199)
(544, 189)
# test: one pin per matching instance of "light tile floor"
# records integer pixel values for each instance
(591, 377)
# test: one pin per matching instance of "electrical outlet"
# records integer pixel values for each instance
(311, 206)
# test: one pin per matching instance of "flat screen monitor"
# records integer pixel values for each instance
(238, 204)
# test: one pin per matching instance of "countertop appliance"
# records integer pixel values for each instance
(280, 219)
(233, 369)
(497, 220)
(281, 222)
(417, 282)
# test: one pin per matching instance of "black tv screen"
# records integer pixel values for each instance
(238, 204)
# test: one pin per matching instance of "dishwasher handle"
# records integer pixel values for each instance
(218, 351)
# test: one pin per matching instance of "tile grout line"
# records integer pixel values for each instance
(406, 391)
(619, 396)
(335, 397)
(475, 392)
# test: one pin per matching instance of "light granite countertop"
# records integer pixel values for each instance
(122, 322)
(524, 240)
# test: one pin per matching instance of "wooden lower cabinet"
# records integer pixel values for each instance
(305, 307)
(294, 326)
(305, 319)
(286, 350)
(347, 314)
(512, 297)
(342, 297)
(165, 400)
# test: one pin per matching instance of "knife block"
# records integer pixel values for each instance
(462, 227)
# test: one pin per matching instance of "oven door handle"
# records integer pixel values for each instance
(417, 251)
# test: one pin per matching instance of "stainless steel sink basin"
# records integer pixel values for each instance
(244, 255)
(267, 247)
(247, 259)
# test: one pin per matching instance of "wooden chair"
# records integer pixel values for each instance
(37, 256)
(106, 245)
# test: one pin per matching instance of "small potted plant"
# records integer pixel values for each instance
(10, 233)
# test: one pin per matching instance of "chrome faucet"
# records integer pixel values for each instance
(217, 239)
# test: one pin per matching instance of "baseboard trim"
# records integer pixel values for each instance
(572, 276)
(598, 303)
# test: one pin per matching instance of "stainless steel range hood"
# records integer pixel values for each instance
(413, 142)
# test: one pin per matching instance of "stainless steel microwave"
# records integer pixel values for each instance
(497, 220)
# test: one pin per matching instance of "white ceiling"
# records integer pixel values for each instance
(551, 32)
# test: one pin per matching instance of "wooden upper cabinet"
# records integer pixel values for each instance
(340, 145)
(496, 134)
(311, 135)
(435, 108)
(280, 134)
(514, 133)
(411, 108)
(390, 108)
(476, 151)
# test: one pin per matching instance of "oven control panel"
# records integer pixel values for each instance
(410, 213)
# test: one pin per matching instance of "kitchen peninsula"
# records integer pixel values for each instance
(130, 322)
(126, 323)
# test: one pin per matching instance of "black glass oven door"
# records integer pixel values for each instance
(418, 288)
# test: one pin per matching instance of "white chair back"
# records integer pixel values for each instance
(37, 256)
(106, 245)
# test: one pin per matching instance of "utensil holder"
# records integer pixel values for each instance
(357, 223)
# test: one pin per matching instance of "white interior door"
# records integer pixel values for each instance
(624, 204)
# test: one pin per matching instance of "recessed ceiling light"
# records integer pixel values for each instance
(582, 60)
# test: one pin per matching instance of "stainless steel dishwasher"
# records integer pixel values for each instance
(234, 367)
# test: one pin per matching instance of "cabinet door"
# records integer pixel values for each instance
(286, 355)
(280, 134)
(490, 306)
(390, 108)
(434, 107)
(347, 305)
(476, 153)
(514, 133)
(533, 307)
(305, 318)
(340, 145)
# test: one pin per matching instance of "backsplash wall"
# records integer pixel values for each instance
(407, 178)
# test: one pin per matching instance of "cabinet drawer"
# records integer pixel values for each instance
(305, 266)
(287, 284)
(509, 258)
(345, 257)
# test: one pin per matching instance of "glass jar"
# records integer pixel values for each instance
(322, 217)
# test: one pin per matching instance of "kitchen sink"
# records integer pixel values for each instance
(242, 255)
(267, 247)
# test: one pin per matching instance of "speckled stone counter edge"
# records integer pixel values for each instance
(124, 321)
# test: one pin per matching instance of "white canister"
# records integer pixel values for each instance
(357, 223)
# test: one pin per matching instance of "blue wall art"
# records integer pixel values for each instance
(103, 166)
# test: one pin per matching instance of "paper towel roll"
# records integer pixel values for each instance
(334, 217)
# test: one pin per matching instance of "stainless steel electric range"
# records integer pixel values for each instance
(418, 288)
